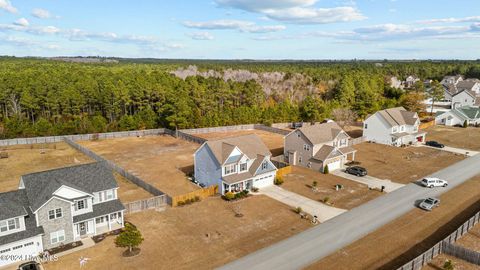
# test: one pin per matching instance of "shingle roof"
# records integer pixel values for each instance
(101, 209)
(470, 112)
(251, 145)
(30, 222)
(466, 84)
(326, 152)
(88, 178)
(398, 116)
(13, 204)
(321, 133)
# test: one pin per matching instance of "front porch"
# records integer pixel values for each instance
(237, 187)
(98, 225)
(401, 139)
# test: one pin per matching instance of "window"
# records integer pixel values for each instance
(395, 129)
(113, 216)
(306, 147)
(57, 237)
(79, 205)
(264, 165)
(99, 220)
(10, 224)
(229, 169)
(299, 159)
(365, 126)
(97, 197)
(109, 194)
(309, 165)
(55, 213)
(298, 134)
(243, 167)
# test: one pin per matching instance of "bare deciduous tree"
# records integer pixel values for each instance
(344, 117)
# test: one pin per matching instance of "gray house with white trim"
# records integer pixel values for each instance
(58, 207)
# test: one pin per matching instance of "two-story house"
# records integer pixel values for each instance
(234, 164)
(317, 146)
(395, 126)
(59, 207)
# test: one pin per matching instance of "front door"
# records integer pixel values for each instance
(82, 228)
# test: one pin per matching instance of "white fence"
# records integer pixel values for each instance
(218, 129)
(158, 203)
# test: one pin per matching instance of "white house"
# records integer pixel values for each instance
(458, 116)
(395, 126)
(234, 164)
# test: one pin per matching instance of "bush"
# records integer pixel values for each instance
(315, 183)
(326, 170)
(188, 201)
(448, 265)
(298, 210)
(229, 196)
(197, 198)
(278, 180)
(254, 189)
(465, 124)
(326, 199)
(245, 192)
(181, 203)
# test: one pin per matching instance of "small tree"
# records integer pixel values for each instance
(435, 93)
(278, 180)
(448, 265)
(130, 238)
(344, 117)
(315, 183)
(465, 124)
(326, 170)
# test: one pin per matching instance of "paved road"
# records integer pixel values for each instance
(370, 181)
(454, 150)
(312, 245)
(322, 211)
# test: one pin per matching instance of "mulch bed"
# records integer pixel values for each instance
(63, 248)
(134, 252)
(99, 238)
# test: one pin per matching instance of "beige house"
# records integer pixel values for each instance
(317, 146)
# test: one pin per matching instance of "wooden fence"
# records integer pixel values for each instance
(356, 141)
(427, 256)
(157, 202)
(272, 129)
(189, 137)
(200, 193)
(465, 254)
(285, 170)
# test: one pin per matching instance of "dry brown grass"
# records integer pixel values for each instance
(162, 161)
(402, 165)
(467, 138)
(354, 194)
(203, 235)
(408, 236)
(272, 140)
(437, 263)
(471, 240)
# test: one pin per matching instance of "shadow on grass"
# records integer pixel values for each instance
(434, 238)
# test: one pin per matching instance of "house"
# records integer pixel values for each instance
(470, 85)
(395, 82)
(410, 81)
(317, 146)
(234, 164)
(453, 80)
(395, 126)
(57, 207)
(463, 98)
(458, 116)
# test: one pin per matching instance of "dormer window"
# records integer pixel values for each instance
(79, 205)
(229, 169)
(243, 167)
(10, 224)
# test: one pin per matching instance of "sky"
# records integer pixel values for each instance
(242, 29)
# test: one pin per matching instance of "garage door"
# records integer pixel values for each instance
(22, 250)
(263, 181)
(334, 166)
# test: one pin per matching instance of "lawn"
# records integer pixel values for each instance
(439, 261)
(203, 235)
(471, 240)
(273, 141)
(352, 195)
(162, 161)
(408, 236)
(402, 165)
(467, 138)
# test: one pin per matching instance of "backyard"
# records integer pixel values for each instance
(204, 235)
(408, 236)
(352, 195)
(272, 140)
(467, 138)
(402, 165)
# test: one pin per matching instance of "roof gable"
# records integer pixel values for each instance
(398, 116)
(321, 133)
(250, 145)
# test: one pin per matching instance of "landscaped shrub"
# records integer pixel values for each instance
(181, 203)
(298, 210)
(326, 199)
(254, 189)
(326, 170)
(197, 198)
(314, 184)
(278, 180)
(229, 196)
(465, 124)
(448, 265)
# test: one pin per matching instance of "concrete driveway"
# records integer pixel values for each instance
(370, 181)
(322, 211)
(455, 150)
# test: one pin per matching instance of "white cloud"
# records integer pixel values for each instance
(22, 22)
(7, 6)
(296, 11)
(242, 26)
(41, 13)
(452, 20)
(201, 36)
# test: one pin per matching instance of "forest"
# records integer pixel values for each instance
(41, 97)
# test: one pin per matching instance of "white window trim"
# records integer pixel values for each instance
(240, 167)
(16, 224)
(56, 236)
(230, 169)
(55, 213)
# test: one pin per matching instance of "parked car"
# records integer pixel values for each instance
(433, 182)
(434, 144)
(356, 170)
(33, 265)
(429, 203)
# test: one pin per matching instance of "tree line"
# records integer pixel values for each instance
(41, 97)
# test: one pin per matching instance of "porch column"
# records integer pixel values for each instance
(108, 221)
(121, 221)
(353, 156)
(94, 226)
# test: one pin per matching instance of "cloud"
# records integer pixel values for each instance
(296, 11)
(41, 13)
(201, 36)
(452, 20)
(242, 26)
(7, 6)
(25, 42)
(22, 22)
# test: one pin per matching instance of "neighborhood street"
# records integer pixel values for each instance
(370, 181)
(312, 245)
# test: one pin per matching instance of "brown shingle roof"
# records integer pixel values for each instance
(466, 84)
(398, 116)
(326, 152)
(251, 145)
(322, 133)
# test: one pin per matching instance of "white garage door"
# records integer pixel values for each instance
(22, 250)
(263, 181)
(334, 166)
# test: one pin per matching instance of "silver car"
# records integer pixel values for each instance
(429, 203)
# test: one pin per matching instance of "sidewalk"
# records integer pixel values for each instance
(370, 181)
(455, 150)
(322, 211)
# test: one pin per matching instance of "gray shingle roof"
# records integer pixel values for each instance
(322, 133)
(12, 204)
(398, 116)
(250, 145)
(101, 209)
(30, 223)
(88, 178)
